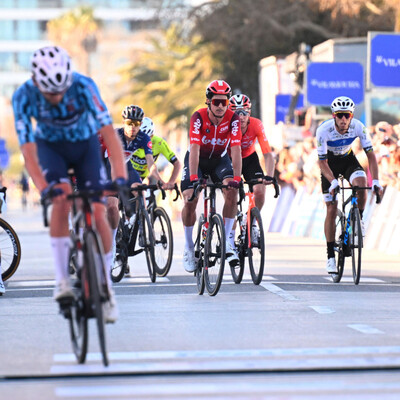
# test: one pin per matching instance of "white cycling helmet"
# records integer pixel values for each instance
(147, 126)
(51, 68)
(342, 103)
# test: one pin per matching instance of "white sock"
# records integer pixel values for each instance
(232, 237)
(108, 260)
(188, 237)
(60, 247)
(229, 224)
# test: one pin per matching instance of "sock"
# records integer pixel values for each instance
(188, 237)
(229, 224)
(60, 247)
(232, 237)
(330, 249)
(108, 260)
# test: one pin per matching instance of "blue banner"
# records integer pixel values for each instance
(282, 103)
(325, 81)
(385, 60)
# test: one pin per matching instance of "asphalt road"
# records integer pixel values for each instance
(296, 336)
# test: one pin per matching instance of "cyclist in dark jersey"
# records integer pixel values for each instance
(69, 112)
(213, 130)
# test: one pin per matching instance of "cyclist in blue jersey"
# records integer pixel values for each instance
(69, 112)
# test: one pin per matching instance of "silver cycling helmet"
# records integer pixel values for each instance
(51, 69)
(147, 126)
(342, 103)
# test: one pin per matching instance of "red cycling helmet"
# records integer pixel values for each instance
(239, 101)
(218, 87)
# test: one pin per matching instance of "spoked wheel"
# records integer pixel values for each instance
(163, 241)
(256, 249)
(199, 256)
(98, 293)
(10, 250)
(120, 262)
(214, 255)
(356, 244)
(78, 326)
(241, 248)
(339, 246)
(146, 240)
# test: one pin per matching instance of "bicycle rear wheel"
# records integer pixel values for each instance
(199, 255)
(147, 241)
(237, 271)
(214, 255)
(256, 250)
(163, 241)
(10, 250)
(121, 253)
(339, 245)
(98, 292)
(356, 244)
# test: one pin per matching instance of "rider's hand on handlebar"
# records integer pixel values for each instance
(121, 183)
(376, 184)
(50, 192)
(334, 185)
(235, 183)
(268, 180)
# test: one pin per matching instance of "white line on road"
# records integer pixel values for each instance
(278, 291)
(322, 309)
(365, 329)
(348, 279)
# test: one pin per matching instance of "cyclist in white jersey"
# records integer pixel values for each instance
(334, 141)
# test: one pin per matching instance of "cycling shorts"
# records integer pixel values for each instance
(251, 168)
(84, 157)
(217, 169)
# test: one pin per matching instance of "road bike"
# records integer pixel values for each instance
(249, 234)
(163, 236)
(90, 288)
(348, 235)
(210, 243)
(10, 246)
(135, 229)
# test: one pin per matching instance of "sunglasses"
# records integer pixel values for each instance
(220, 102)
(242, 112)
(135, 122)
(340, 115)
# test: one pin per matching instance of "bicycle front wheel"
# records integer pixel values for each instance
(214, 255)
(78, 327)
(146, 240)
(10, 250)
(340, 223)
(357, 243)
(256, 249)
(98, 292)
(199, 256)
(120, 261)
(237, 270)
(163, 241)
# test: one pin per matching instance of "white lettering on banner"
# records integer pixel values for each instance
(388, 62)
(196, 126)
(214, 141)
(336, 84)
(282, 109)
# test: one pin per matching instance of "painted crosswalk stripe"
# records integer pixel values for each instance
(278, 291)
(322, 309)
(365, 329)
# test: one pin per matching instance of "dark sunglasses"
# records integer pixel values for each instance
(220, 102)
(340, 115)
(242, 112)
(133, 122)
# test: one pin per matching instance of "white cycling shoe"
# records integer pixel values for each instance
(331, 266)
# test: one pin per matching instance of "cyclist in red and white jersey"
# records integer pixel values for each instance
(213, 130)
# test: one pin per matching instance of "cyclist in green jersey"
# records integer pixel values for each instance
(160, 146)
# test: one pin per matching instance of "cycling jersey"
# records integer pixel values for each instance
(160, 146)
(331, 142)
(141, 141)
(214, 140)
(79, 115)
(255, 130)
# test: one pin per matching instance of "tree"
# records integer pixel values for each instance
(170, 78)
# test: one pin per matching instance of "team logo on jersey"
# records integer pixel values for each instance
(214, 141)
(235, 127)
(196, 127)
(150, 144)
(207, 130)
(224, 128)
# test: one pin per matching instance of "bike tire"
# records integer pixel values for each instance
(10, 250)
(357, 243)
(148, 243)
(78, 326)
(256, 249)
(237, 271)
(163, 241)
(120, 262)
(214, 255)
(199, 254)
(98, 291)
(339, 245)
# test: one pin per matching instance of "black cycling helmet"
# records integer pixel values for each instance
(133, 112)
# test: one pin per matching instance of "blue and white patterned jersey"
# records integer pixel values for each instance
(330, 140)
(141, 141)
(79, 115)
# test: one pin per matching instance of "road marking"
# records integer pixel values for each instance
(278, 291)
(322, 309)
(144, 279)
(27, 284)
(365, 329)
(350, 279)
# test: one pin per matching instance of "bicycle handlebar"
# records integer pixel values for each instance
(354, 189)
(256, 181)
(201, 184)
